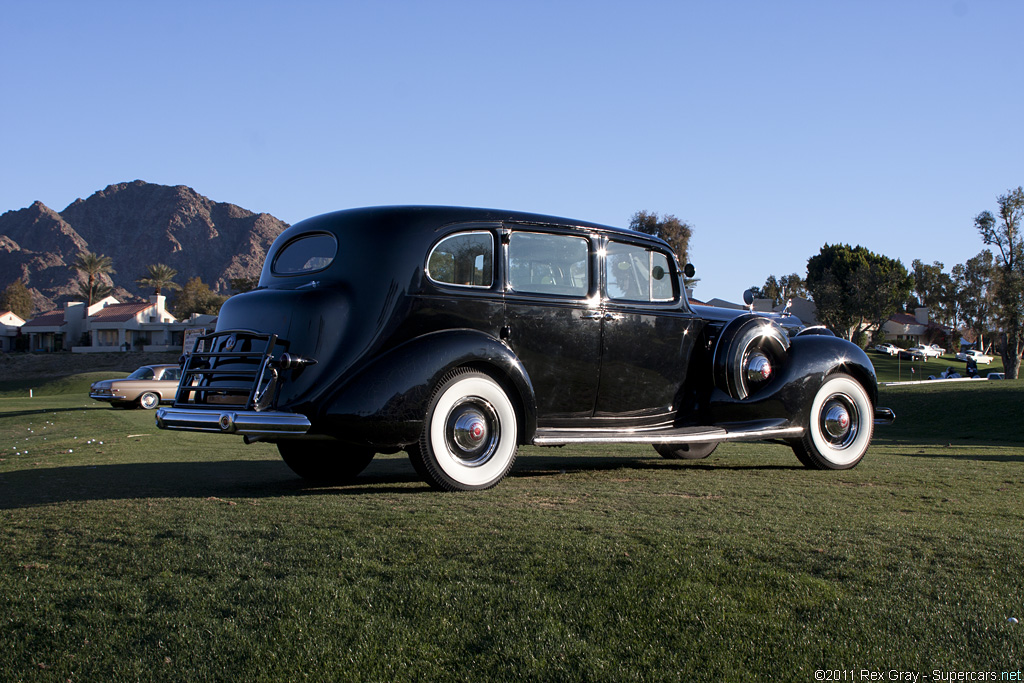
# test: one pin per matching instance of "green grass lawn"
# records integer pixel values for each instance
(129, 553)
(892, 369)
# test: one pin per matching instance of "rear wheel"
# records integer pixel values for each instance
(149, 400)
(326, 462)
(470, 435)
(685, 451)
(839, 427)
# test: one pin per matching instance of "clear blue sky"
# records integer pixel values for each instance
(772, 126)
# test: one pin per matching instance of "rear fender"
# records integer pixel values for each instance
(386, 402)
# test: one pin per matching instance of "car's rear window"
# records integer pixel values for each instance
(465, 259)
(305, 254)
(142, 373)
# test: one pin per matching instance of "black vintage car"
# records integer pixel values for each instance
(459, 334)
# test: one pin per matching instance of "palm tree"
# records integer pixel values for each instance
(159, 276)
(94, 267)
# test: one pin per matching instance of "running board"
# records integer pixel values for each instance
(562, 437)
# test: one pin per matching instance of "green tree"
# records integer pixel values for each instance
(196, 297)
(93, 267)
(855, 288)
(934, 289)
(973, 296)
(780, 289)
(159, 277)
(669, 228)
(18, 300)
(1003, 232)
(240, 285)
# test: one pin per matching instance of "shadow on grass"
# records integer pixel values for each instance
(49, 411)
(544, 465)
(248, 479)
(222, 479)
(955, 451)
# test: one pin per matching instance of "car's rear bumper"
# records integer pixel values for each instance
(107, 397)
(241, 422)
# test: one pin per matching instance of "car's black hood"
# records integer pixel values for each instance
(721, 316)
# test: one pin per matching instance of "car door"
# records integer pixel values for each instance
(648, 333)
(551, 320)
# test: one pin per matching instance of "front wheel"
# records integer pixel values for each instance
(470, 435)
(839, 427)
(685, 451)
(326, 462)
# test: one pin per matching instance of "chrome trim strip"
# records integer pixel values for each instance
(666, 437)
(242, 422)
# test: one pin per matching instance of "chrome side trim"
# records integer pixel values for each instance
(554, 438)
(242, 422)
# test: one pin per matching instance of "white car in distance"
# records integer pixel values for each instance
(927, 351)
(979, 357)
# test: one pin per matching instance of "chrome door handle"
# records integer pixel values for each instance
(600, 315)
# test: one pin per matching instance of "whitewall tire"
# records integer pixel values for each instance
(839, 427)
(470, 435)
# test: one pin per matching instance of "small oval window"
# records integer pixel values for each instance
(465, 259)
(306, 254)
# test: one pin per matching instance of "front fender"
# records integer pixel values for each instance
(787, 399)
(386, 402)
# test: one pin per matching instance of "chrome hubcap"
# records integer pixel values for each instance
(472, 431)
(839, 422)
(759, 368)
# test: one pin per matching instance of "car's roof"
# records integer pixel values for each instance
(422, 216)
(388, 244)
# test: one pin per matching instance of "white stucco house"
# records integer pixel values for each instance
(10, 328)
(915, 328)
(61, 328)
(110, 326)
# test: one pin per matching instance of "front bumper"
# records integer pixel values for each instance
(884, 416)
(241, 422)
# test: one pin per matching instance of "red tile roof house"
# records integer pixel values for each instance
(10, 324)
(106, 326)
(130, 327)
(916, 328)
(60, 329)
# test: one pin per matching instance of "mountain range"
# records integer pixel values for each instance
(136, 224)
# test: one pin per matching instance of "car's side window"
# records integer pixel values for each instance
(465, 259)
(633, 273)
(540, 263)
(171, 374)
